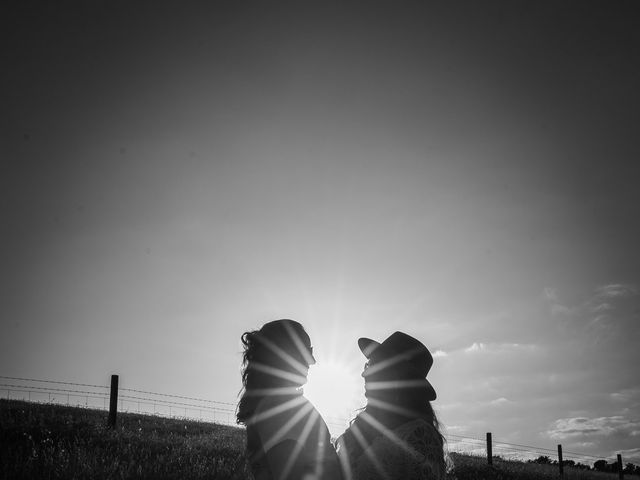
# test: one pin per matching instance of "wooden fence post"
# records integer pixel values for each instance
(489, 447)
(113, 401)
(560, 460)
(620, 472)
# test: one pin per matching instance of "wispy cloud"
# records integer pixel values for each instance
(628, 395)
(551, 294)
(600, 315)
(602, 426)
(476, 347)
(497, 348)
(616, 290)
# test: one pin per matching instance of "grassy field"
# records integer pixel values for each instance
(469, 467)
(46, 441)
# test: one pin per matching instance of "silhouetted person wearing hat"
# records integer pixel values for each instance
(286, 436)
(397, 435)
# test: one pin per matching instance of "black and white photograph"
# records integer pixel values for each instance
(310, 240)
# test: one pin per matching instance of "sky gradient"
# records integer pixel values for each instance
(172, 176)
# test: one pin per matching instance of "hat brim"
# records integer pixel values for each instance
(368, 346)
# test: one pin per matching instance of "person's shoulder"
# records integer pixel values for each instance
(416, 423)
(418, 426)
(274, 412)
(420, 433)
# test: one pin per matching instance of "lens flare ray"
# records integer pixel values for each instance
(288, 426)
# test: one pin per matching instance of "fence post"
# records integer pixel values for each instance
(489, 451)
(560, 460)
(113, 401)
(620, 472)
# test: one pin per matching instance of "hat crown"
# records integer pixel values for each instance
(408, 349)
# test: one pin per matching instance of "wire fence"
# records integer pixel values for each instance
(129, 400)
(179, 406)
(474, 445)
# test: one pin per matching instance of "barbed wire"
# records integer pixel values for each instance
(537, 449)
(508, 446)
(181, 404)
(52, 390)
(83, 395)
(470, 436)
(52, 381)
(175, 396)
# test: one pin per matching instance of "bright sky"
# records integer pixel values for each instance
(468, 174)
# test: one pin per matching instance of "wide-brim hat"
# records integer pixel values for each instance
(405, 351)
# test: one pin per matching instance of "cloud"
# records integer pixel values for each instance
(476, 347)
(440, 353)
(603, 314)
(627, 395)
(603, 307)
(553, 300)
(616, 290)
(451, 406)
(608, 308)
(608, 298)
(551, 294)
(498, 402)
(498, 348)
(569, 428)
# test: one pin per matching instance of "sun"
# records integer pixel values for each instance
(337, 391)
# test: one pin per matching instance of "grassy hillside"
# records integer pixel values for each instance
(46, 441)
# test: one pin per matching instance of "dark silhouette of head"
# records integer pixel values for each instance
(396, 370)
(275, 361)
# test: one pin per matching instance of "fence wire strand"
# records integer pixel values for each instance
(175, 396)
(53, 381)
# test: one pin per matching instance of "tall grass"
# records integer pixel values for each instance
(46, 441)
(475, 467)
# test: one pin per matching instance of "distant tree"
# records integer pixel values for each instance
(568, 463)
(542, 459)
(582, 466)
(600, 465)
(631, 469)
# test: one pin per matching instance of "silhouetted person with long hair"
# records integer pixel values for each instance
(397, 434)
(286, 436)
